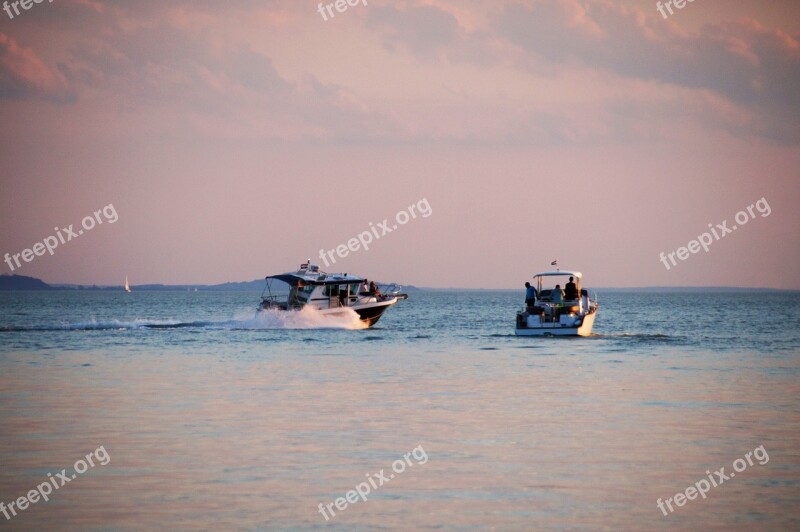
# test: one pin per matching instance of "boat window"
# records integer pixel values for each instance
(331, 290)
(305, 292)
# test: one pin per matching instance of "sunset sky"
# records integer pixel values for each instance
(238, 138)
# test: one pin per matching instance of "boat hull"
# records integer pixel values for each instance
(558, 329)
(369, 313)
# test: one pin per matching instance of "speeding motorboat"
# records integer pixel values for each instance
(329, 293)
(560, 308)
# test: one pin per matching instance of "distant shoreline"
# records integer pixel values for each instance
(19, 283)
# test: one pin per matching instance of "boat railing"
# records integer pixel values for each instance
(392, 290)
(591, 299)
(279, 301)
(277, 298)
(550, 312)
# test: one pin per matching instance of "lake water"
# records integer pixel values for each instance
(212, 418)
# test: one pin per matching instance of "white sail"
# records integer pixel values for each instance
(127, 286)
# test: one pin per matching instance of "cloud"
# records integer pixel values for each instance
(24, 75)
(423, 30)
(755, 68)
(743, 61)
(556, 71)
(196, 82)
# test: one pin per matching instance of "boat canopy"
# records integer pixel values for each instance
(293, 279)
(577, 275)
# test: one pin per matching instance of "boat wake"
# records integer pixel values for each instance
(639, 336)
(307, 318)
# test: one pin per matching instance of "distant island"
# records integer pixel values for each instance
(21, 282)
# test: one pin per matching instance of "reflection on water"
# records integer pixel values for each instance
(230, 428)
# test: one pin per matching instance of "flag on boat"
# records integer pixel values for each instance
(554, 263)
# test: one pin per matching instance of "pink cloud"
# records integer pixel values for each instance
(24, 75)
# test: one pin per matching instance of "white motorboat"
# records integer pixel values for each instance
(329, 294)
(568, 310)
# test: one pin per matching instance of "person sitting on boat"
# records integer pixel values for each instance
(530, 295)
(557, 295)
(373, 290)
(570, 291)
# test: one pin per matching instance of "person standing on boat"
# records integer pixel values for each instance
(557, 295)
(570, 290)
(530, 295)
(365, 288)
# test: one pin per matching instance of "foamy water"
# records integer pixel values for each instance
(306, 318)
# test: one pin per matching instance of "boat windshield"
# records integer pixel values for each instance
(546, 287)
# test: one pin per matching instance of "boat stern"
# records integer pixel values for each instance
(535, 324)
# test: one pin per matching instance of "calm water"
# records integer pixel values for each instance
(216, 419)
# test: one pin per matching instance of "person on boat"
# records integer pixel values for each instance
(365, 288)
(373, 289)
(292, 299)
(530, 295)
(570, 291)
(557, 295)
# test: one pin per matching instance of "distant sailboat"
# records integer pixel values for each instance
(127, 286)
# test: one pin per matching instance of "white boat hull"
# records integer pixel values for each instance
(369, 312)
(537, 328)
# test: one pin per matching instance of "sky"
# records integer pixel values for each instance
(231, 140)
